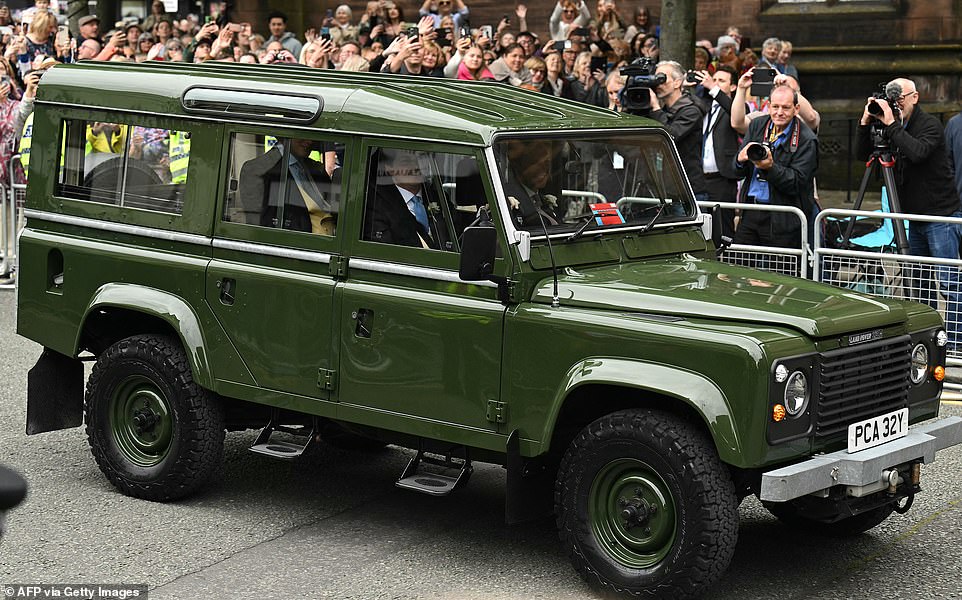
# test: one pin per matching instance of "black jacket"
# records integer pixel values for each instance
(791, 180)
(923, 171)
(388, 220)
(723, 135)
(684, 120)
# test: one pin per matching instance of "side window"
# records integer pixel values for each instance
(421, 199)
(125, 165)
(283, 183)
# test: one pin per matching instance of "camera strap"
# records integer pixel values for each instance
(772, 138)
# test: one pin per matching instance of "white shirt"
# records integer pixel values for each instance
(709, 164)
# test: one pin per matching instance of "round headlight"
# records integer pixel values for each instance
(920, 363)
(796, 393)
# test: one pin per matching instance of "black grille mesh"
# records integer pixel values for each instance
(860, 382)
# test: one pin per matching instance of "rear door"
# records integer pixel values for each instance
(276, 254)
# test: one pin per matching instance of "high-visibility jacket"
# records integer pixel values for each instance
(179, 148)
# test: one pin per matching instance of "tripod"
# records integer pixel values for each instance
(882, 158)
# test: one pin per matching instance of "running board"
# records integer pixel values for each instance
(283, 449)
(446, 473)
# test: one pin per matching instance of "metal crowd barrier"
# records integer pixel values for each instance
(12, 197)
(884, 272)
(788, 261)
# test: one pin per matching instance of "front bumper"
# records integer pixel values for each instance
(861, 468)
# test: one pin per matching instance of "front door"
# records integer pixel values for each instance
(416, 341)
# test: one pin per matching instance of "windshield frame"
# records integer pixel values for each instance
(515, 234)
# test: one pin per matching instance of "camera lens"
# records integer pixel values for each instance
(875, 109)
(756, 152)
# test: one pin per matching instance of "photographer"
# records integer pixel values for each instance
(924, 182)
(683, 119)
(779, 157)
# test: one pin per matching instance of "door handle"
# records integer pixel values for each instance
(227, 286)
(363, 321)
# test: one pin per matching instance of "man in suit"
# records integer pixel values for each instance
(719, 141)
(301, 200)
(400, 210)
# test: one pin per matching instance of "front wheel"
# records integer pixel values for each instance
(153, 431)
(645, 506)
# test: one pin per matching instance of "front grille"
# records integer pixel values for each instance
(860, 382)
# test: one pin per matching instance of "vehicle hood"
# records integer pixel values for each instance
(691, 287)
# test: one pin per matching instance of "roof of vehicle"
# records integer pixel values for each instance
(371, 103)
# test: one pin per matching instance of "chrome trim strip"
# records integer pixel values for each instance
(421, 272)
(138, 230)
(276, 251)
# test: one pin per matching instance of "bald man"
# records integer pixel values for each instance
(926, 186)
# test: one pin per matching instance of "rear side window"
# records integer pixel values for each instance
(124, 164)
(284, 183)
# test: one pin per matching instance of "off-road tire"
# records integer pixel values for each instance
(705, 506)
(182, 450)
(788, 513)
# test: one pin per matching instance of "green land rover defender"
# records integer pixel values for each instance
(472, 271)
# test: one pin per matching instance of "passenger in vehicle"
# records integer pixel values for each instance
(399, 206)
(303, 205)
(528, 185)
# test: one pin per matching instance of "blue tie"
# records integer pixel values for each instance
(419, 213)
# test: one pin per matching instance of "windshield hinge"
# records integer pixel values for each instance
(338, 266)
(326, 379)
(497, 412)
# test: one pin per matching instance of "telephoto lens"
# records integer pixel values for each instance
(756, 152)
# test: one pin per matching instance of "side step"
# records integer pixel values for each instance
(283, 449)
(444, 474)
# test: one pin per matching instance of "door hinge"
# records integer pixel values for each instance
(326, 379)
(338, 266)
(497, 412)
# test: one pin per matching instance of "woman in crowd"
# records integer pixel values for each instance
(473, 66)
(343, 28)
(587, 86)
(432, 60)
(640, 23)
(567, 16)
(702, 60)
(610, 25)
(9, 109)
(539, 72)
(163, 31)
(555, 83)
(38, 41)
(510, 67)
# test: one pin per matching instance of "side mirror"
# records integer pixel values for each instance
(478, 247)
(721, 241)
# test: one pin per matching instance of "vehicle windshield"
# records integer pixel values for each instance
(560, 183)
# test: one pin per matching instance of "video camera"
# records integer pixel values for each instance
(891, 93)
(641, 78)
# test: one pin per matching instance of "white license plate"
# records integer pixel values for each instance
(878, 430)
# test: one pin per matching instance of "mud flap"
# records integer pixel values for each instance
(55, 392)
(529, 490)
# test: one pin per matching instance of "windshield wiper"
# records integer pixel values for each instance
(654, 219)
(581, 230)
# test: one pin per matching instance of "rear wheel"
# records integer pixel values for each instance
(153, 431)
(645, 506)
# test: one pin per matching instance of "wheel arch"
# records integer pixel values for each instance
(598, 386)
(120, 310)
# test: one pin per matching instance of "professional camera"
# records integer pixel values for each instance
(757, 151)
(891, 93)
(641, 78)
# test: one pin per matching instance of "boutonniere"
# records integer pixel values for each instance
(513, 203)
(434, 208)
(550, 200)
